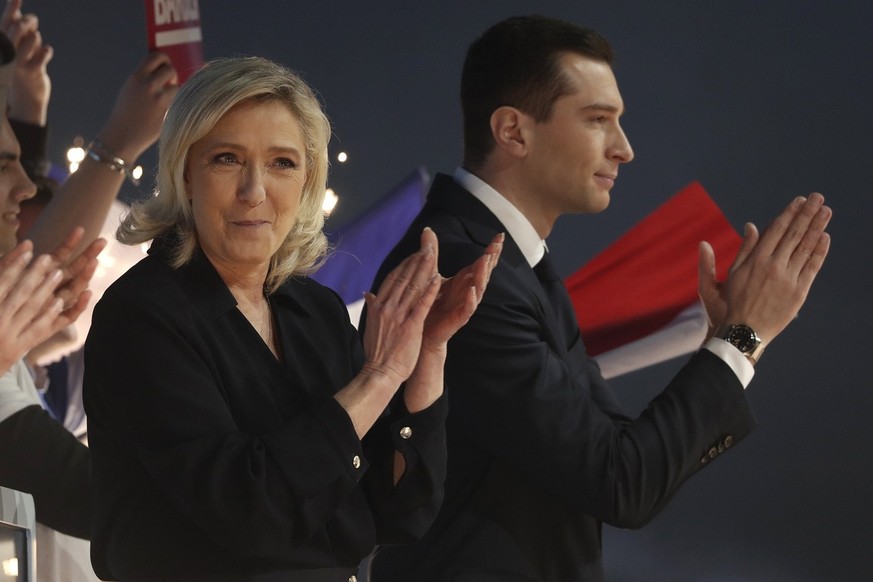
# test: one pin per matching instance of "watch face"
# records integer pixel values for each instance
(743, 338)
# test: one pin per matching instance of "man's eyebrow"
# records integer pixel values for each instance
(603, 107)
(8, 156)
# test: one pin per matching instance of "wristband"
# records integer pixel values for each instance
(98, 151)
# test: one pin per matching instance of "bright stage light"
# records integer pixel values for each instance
(75, 155)
(330, 200)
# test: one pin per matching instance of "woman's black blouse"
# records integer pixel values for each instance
(211, 457)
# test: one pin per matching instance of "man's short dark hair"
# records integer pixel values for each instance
(515, 63)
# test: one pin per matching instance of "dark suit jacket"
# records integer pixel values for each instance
(540, 452)
(39, 456)
(213, 460)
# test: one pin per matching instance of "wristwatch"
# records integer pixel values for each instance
(743, 338)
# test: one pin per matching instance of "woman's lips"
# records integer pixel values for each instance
(249, 223)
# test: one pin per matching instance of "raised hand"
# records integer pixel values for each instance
(32, 296)
(31, 87)
(25, 288)
(457, 301)
(392, 340)
(405, 339)
(134, 124)
(75, 273)
(396, 314)
(139, 110)
(772, 274)
(459, 296)
(709, 288)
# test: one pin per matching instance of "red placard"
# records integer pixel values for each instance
(174, 28)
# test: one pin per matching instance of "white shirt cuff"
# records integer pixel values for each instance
(741, 366)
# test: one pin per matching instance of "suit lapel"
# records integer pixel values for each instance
(481, 225)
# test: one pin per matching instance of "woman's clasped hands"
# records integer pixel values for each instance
(417, 311)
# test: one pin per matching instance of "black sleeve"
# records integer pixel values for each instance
(38, 456)
(404, 512)
(549, 414)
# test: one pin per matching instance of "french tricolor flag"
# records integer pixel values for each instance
(636, 301)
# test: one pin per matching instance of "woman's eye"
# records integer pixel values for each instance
(225, 158)
(285, 164)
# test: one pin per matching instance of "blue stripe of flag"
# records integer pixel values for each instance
(362, 245)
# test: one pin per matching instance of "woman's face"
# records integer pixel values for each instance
(245, 180)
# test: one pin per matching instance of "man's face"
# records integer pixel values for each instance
(573, 157)
(15, 186)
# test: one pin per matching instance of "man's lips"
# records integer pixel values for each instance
(606, 179)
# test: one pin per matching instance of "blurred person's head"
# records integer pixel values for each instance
(15, 186)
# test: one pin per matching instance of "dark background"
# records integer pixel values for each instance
(759, 101)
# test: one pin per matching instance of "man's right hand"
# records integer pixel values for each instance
(771, 276)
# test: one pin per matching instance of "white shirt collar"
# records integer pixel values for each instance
(517, 225)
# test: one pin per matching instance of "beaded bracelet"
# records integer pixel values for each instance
(98, 151)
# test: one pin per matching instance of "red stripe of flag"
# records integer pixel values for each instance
(645, 279)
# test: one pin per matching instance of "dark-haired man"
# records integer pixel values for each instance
(540, 451)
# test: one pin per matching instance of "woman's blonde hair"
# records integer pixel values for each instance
(199, 105)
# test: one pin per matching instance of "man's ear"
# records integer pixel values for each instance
(506, 130)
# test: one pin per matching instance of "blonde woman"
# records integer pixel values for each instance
(239, 428)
